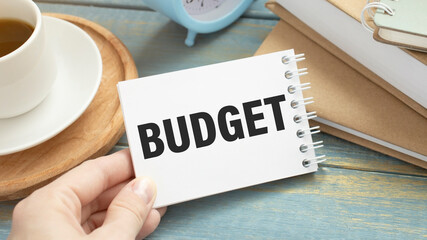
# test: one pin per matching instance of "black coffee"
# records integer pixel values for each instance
(13, 33)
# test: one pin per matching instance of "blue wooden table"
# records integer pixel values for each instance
(357, 194)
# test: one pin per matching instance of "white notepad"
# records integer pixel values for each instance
(220, 127)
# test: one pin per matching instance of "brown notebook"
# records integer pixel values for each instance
(346, 97)
(352, 8)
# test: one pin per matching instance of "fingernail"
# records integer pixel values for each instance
(145, 189)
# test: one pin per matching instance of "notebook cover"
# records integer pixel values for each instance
(410, 16)
(347, 97)
(353, 9)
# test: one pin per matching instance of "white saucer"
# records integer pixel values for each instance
(79, 75)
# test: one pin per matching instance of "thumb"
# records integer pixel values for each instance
(129, 209)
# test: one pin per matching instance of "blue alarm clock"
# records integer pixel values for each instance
(200, 16)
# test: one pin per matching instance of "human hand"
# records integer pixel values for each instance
(96, 200)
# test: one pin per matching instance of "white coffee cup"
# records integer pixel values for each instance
(28, 73)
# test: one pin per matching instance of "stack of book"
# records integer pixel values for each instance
(366, 92)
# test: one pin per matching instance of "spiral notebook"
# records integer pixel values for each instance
(401, 23)
(216, 128)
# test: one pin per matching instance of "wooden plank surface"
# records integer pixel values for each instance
(357, 194)
(256, 10)
(333, 203)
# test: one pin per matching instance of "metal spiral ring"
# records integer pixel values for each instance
(298, 72)
(302, 102)
(368, 7)
(310, 161)
(298, 87)
(300, 118)
(310, 131)
(305, 147)
(294, 58)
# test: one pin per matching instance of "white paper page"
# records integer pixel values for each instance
(223, 165)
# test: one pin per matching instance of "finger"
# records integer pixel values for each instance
(102, 202)
(153, 219)
(93, 177)
(94, 221)
(150, 224)
(162, 211)
(128, 210)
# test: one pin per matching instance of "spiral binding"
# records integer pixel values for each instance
(304, 101)
(310, 131)
(368, 7)
(295, 58)
(310, 161)
(307, 116)
(305, 147)
(300, 117)
(298, 72)
(299, 87)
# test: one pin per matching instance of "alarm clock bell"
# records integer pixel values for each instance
(200, 16)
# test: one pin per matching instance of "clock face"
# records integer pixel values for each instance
(197, 7)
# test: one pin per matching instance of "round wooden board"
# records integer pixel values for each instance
(92, 135)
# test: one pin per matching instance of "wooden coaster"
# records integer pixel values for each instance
(92, 135)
